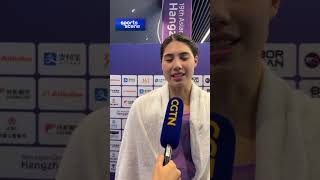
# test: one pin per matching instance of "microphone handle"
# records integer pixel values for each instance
(167, 155)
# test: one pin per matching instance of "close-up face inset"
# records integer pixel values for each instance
(178, 63)
(239, 30)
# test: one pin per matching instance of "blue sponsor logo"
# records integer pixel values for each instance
(50, 58)
(101, 94)
(125, 79)
(141, 91)
(129, 24)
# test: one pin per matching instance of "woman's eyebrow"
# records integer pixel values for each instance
(184, 53)
(169, 55)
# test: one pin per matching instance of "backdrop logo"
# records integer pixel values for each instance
(15, 58)
(145, 81)
(129, 24)
(59, 129)
(144, 90)
(14, 93)
(129, 80)
(158, 80)
(312, 60)
(196, 79)
(50, 58)
(101, 94)
(315, 92)
(115, 101)
(207, 80)
(11, 131)
(61, 93)
(274, 58)
(44, 163)
(53, 59)
(49, 128)
(115, 91)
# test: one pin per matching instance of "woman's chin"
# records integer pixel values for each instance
(177, 84)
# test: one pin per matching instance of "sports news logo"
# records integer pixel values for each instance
(312, 60)
(129, 24)
(101, 94)
(53, 59)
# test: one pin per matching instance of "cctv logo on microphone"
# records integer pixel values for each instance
(173, 110)
(130, 24)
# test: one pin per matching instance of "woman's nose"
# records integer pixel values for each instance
(177, 64)
(220, 15)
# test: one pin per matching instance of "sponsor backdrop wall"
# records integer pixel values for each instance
(45, 90)
(53, 67)
(135, 70)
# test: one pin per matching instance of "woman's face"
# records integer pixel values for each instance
(178, 64)
(239, 29)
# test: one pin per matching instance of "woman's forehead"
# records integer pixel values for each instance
(177, 46)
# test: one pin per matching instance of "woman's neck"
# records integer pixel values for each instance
(181, 92)
(235, 96)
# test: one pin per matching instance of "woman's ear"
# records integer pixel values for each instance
(196, 59)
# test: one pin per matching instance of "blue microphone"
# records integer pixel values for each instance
(222, 148)
(170, 134)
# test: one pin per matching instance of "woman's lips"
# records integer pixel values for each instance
(177, 77)
(222, 48)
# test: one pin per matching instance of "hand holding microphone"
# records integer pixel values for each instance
(165, 168)
(167, 172)
(170, 134)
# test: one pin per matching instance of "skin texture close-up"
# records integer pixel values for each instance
(239, 31)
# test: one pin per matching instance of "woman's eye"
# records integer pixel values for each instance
(184, 57)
